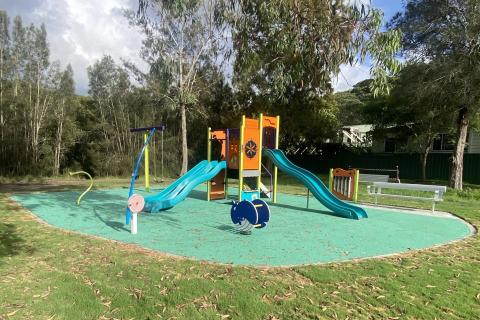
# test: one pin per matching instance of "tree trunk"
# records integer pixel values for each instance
(423, 159)
(36, 115)
(184, 141)
(456, 177)
(2, 124)
(58, 142)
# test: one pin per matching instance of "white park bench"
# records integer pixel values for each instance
(366, 177)
(379, 175)
(437, 196)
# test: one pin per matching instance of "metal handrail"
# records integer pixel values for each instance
(271, 178)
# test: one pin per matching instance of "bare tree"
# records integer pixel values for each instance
(180, 36)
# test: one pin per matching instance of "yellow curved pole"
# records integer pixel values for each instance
(88, 189)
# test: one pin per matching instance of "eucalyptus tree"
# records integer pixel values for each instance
(4, 47)
(18, 52)
(413, 113)
(445, 34)
(109, 87)
(288, 52)
(180, 37)
(35, 95)
(36, 74)
(283, 47)
(64, 107)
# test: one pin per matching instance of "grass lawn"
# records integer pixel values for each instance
(47, 273)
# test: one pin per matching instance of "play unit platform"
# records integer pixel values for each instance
(203, 230)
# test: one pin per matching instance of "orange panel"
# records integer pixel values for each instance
(269, 121)
(251, 148)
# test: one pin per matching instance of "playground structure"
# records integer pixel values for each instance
(202, 229)
(344, 183)
(243, 153)
(242, 149)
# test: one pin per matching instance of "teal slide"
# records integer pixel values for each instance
(315, 185)
(179, 190)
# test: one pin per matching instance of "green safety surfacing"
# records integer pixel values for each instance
(203, 230)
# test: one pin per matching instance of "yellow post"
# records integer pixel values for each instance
(355, 184)
(275, 169)
(147, 173)
(209, 158)
(260, 127)
(240, 159)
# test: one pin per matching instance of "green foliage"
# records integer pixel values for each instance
(34, 96)
(284, 56)
(283, 47)
(353, 105)
(444, 35)
(414, 111)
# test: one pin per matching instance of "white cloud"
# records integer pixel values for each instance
(82, 31)
(349, 76)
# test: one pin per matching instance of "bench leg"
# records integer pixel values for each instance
(376, 200)
(433, 207)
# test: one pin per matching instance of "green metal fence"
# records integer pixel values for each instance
(438, 164)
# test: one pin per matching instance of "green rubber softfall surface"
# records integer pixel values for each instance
(203, 230)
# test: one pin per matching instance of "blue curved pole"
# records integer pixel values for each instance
(128, 214)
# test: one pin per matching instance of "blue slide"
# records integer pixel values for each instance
(179, 190)
(315, 185)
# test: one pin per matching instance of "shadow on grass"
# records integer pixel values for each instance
(11, 243)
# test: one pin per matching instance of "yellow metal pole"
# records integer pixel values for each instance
(355, 183)
(275, 169)
(240, 159)
(209, 158)
(147, 173)
(260, 126)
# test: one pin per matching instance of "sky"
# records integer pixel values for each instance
(82, 31)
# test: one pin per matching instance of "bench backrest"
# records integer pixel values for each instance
(410, 186)
(365, 177)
